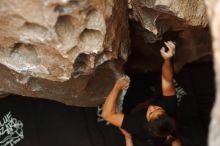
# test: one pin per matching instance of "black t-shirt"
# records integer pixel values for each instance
(26, 121)
(137, 123)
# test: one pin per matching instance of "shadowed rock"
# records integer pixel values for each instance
(155, 21)
(53, 48)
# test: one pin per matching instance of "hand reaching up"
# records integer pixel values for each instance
(122, 83)
(171, 50)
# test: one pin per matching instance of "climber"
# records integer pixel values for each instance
(156, 120)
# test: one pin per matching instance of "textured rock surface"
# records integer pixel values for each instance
(157, 15)
(53, 48)
(213, 7)
(192, 44)
(155, 21)
(73, 50)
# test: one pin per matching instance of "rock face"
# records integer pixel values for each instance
(62, 49)
(157, 16)
(213, 7)
(72, 51)
(155, 21)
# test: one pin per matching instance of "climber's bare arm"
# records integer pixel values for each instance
(167, 69)
(109, 108)
(128, 138)
(176, 143)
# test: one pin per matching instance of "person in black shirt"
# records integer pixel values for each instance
(154, 121)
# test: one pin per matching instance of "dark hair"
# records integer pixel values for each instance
(162, 126)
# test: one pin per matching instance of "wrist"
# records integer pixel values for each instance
(167, 59)
(128, 137)
(116, 89)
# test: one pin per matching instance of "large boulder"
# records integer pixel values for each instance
(155, 21)
(157, 16)
(61, 49)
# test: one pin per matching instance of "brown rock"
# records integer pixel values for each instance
(157, 16)
(52, 49)
(155, 21)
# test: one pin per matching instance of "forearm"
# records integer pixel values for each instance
(167, 78)
(109, 106)
(129, 141)
(167, 71)
(176, 143)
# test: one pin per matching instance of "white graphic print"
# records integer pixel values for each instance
(11, 130)
(99, 112)
(180, 92)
